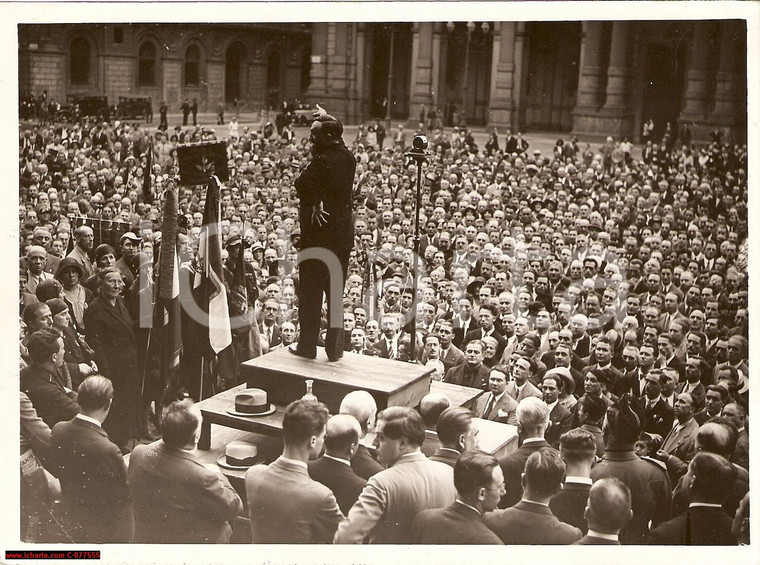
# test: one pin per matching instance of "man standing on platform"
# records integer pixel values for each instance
(327, 231)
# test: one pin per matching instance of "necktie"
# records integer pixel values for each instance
(391, 351)
(270, 336)
(489, 406)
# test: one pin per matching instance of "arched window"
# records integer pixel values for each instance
(79, 61)
(146, 65)
(193, 66)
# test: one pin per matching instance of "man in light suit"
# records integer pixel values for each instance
(92, 471)
(608, 510)
(285, 504)
(497, 405)
(532, 421)
(333, 469)
(531, 521)
(410, 484)
(479, 483)
(679, 447)
(176, 498)
(521, 387)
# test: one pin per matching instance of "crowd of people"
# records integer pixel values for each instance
(597, 296)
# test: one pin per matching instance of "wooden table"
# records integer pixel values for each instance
(214, 410)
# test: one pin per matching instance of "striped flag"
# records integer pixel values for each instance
(168, 292)
(210, 275)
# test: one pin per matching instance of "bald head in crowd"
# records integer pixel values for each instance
(362, 406)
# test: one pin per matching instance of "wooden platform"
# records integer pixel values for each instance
(283, 376)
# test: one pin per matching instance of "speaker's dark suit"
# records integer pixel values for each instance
(93, 483)
(340, 478)
(329, 180)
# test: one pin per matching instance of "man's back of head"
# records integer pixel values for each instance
(432, 406)
(577, 448)
(342, 436)
(543, 475)
(718, 436)
(303, 419)
(94, 395)
(474, 480)
(454, 427)
(532, 417)
(180, 424)
(710, 478)
(609, 506)
(361, 405)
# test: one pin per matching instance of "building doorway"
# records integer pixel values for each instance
(551, 75)
(664, 73)
(379, 57)
(233, 72)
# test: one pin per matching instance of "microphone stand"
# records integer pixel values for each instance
(420, 154)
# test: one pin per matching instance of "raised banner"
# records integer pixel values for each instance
(198, 162)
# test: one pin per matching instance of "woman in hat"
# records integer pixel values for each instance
(77, 354)
(69, 273)
(110, 333)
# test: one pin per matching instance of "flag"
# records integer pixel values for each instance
(210, 276)
(168, 293)
(147, 194)
(238, 290)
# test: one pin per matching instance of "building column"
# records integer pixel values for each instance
(590, 77)
(696, 106)
(318, 74)
(421, 91)
(502, 93)
(589, 101)
(724, 114)
(616, 116)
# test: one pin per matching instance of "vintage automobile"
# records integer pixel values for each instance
(131, 108)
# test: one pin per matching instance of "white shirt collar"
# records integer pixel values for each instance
(705, 505)
(344, 461)
(552, 405)
(595, 534)
(468, 506)
(533, 440)
(577, 480)
(88, 419)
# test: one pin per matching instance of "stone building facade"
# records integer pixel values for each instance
(252, 64)
(582, 77)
